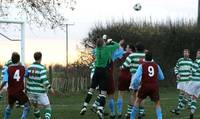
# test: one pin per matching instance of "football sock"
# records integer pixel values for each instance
(102, 101)
(141, 110)
(193, 106)
(133, 112)
(25, 111)
(7, 112)
(182, 104)
(158, 113)
(96, 102)
(111, 105)
(47, 113)
(119, 105)
(129, 109)
(36, 113)
(189, 101)
(87, 99)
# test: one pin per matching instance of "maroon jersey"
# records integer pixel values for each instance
(16, 75)
(149, 86)
(149, 73)
(125, 75)
(125, 55)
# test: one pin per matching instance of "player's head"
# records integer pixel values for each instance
(186, 53)
(198, 53)
(139, 47)
(148, 56)
(100, 42)
(130, 48)
(15, 58)
(38, 56)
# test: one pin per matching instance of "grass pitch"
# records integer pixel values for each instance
(68, 107)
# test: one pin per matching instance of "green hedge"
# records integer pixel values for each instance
(165, 40)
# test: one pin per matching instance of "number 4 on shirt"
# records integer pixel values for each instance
(16, 75)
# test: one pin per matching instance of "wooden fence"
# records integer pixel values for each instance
(75, 79)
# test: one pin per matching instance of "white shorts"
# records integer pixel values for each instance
(182, 85)
(41, 99)
(194, 88)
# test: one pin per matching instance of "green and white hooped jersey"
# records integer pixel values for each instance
(184, 69)
(133, 61)
(196, 70)
(37, 82)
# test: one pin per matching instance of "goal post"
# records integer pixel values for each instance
(22, 36)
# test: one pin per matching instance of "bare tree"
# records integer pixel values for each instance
(42, 12)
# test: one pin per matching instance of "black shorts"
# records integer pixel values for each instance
(100, 78)
(20, 96)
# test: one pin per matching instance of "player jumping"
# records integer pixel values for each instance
(102, 59)
(132, 62)
(124, 80)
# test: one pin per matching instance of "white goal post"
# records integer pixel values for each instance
(22, 38)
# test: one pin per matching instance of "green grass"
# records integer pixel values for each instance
(68, 107)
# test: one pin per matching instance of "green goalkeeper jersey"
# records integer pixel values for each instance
(133, 61)
(183, 68)
(37, 82)
(104, 54)
(196, 70)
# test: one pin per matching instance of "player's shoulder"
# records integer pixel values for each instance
(197, 61)
(37, 66)
(137, 54)
(181, 59)
(8, 63)
(16, 66)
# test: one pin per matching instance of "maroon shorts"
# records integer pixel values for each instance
(149, 90)
(20, 96)
(110, 83)
(124, 80)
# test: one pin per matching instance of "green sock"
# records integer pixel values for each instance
(193, 105)
(36, 113)
(141, 110)
(182, 104)
(129, 109)
(47, 112)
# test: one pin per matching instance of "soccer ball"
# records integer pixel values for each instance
(137, 7)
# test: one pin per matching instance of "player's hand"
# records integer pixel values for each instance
(178, 76)
(109, 41)
(52, 91)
